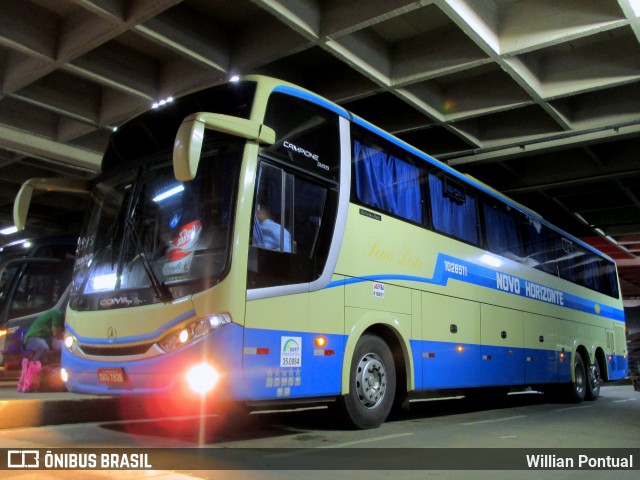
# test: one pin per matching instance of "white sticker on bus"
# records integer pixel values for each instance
(290, 351)
(378, 290)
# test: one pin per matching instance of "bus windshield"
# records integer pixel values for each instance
(151, 238)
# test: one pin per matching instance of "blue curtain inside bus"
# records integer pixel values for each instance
(591, 272)
(502, 232)
(387, 183)
(456, 218)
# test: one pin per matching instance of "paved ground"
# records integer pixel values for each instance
(523, 421)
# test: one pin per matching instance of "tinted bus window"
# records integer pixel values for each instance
(453, 209)
(501, 230)
(292, 224)
(307, 136)
(386, 182)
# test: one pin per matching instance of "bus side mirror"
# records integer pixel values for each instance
(188, 145)
(23, 199)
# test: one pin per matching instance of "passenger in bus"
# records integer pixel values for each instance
(45, 334)
(270, 231)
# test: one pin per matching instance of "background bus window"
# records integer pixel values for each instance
(453, 209)
(7, 273)
(40, 288)
(287, 244)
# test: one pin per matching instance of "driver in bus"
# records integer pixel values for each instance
(271, 231)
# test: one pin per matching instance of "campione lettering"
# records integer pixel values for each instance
(301, 150)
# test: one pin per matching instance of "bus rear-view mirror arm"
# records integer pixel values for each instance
(188, 145)
(23, 199)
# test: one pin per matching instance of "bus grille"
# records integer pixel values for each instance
(115, 351)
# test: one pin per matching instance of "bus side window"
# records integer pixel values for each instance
(386, 182)
(273, 210)
(307, 136)
(501, 230)
(453, 209)
(285, 236)
(541, 245)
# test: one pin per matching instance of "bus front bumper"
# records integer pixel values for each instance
(213, 361)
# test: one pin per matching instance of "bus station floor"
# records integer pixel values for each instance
(35, 409)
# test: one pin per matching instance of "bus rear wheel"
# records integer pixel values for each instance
(593, 382)
(577, 390)
(372, 383)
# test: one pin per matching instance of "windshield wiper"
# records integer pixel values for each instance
(162, 291)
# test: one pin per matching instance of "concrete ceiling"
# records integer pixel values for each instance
(540, 99)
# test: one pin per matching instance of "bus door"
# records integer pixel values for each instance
(294, 213)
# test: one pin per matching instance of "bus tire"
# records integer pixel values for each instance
(593, 382)
(372, 383)
(577, 390)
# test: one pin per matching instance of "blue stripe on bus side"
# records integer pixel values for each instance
(463, 365)
(488, 278)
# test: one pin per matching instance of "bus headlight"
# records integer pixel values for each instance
(192, 331)
(202, 378)
(70, 342)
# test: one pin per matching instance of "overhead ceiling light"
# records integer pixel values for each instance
(168, 193)
(234, 78)
(635, 6)
(161, 103)
(9, 230)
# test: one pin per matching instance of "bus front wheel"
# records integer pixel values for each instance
(372, 383)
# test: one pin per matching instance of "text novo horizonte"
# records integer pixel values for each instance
(512, 284)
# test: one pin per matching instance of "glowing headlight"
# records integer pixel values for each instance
(70, 342)
(192, 331)
(184, 336)
(202, 378)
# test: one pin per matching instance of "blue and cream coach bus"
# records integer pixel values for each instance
(257, 243)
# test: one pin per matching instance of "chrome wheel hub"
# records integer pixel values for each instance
(371, 380)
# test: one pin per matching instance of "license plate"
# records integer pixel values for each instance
(111, 375)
